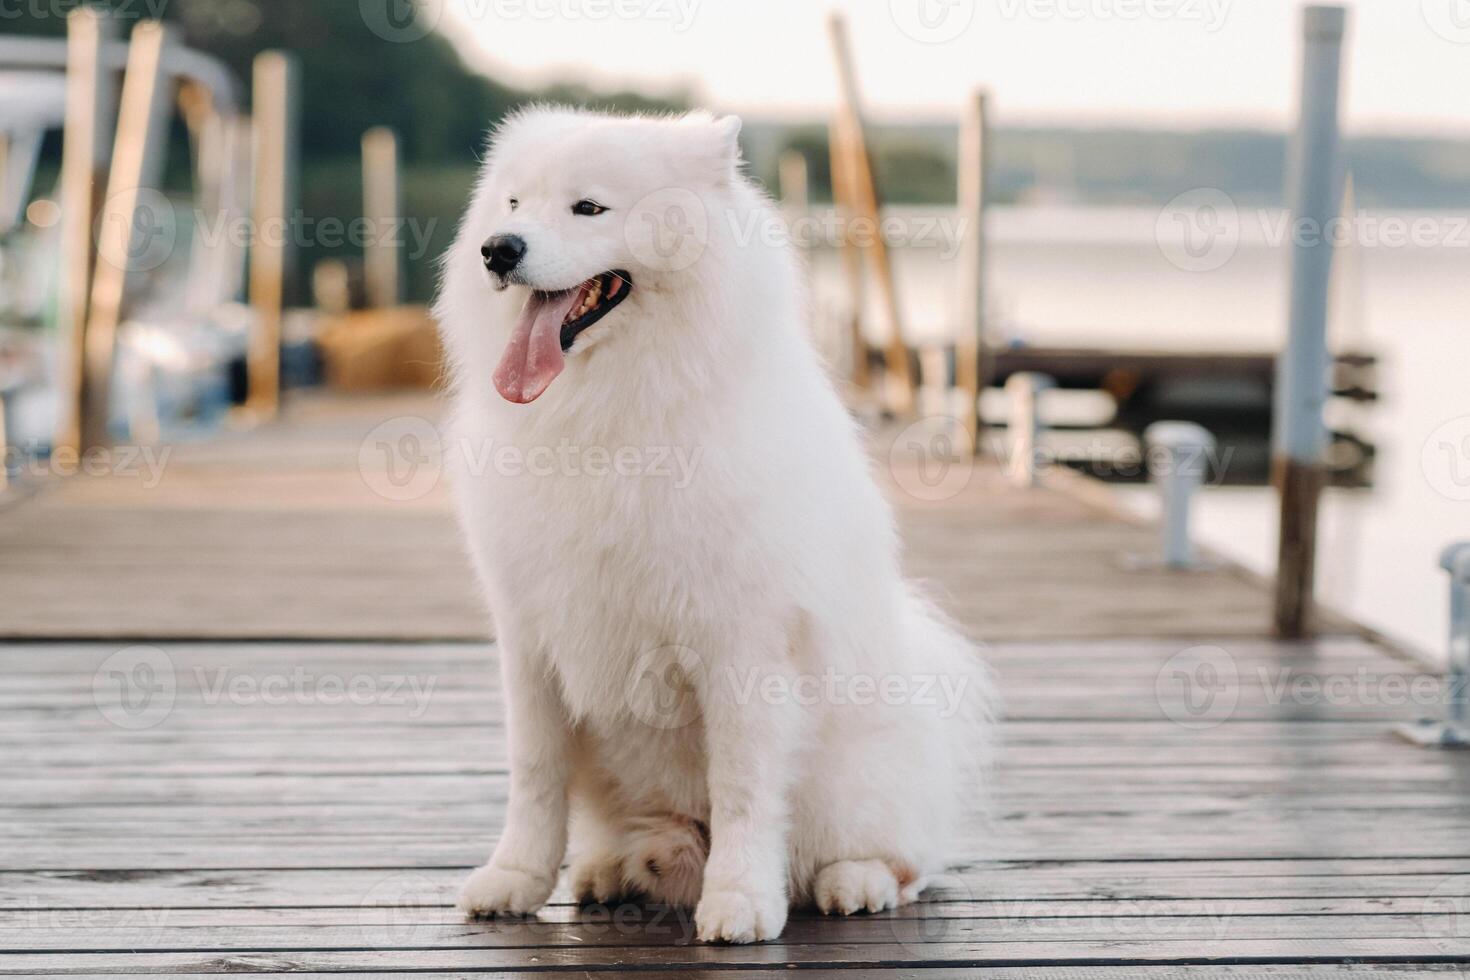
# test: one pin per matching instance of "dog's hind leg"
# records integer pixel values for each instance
(664, 858)
(845, 887)
(899, 781)
(859, 840)
(657, 858)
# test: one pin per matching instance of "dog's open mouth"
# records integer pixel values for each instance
(595, 299)
(549, 324)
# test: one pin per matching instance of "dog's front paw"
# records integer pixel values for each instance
(735, 916)
(493, 890)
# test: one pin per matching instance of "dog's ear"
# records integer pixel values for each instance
(717, 146)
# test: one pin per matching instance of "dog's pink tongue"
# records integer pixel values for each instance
(533, 359)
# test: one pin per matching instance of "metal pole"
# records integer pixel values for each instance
(127, 228)
(970, 330)
(274, 156)
(382, 265)
(1299, 435)
(91, 93)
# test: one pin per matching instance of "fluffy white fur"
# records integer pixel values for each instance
(775, 564)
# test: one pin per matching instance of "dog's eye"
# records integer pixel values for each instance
(587, 208)
(514, 203)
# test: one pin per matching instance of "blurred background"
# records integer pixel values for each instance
(1134, 204)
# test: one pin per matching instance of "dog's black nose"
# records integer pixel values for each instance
(503, 252)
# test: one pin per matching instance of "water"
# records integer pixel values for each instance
(1113, 277)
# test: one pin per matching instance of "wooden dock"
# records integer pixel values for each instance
(251, 724)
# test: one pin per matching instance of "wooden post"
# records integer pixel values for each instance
(970, 308)
(382, 264)
(91, 91)
(274, 160)
(1299, 435)
(792, 177)
(852, 259)
(137, 161)
(869, 207)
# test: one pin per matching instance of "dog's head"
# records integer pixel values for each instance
(577, 212)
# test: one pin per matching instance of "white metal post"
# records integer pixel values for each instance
(1299, 433)
(1023, 392)
(1178, 460)
(1453, 731)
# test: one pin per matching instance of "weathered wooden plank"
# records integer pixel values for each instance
(275, 790)
(836, 956)
(1135, 881)
(1254, 971)
(1282, 678)
(1070, 837)
(386, 756)
(632, 927)
(412, 911)
(1092, 654)
(1106, 798)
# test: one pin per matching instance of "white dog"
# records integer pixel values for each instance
(717, 683)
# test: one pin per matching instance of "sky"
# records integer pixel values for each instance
(1148, 63)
